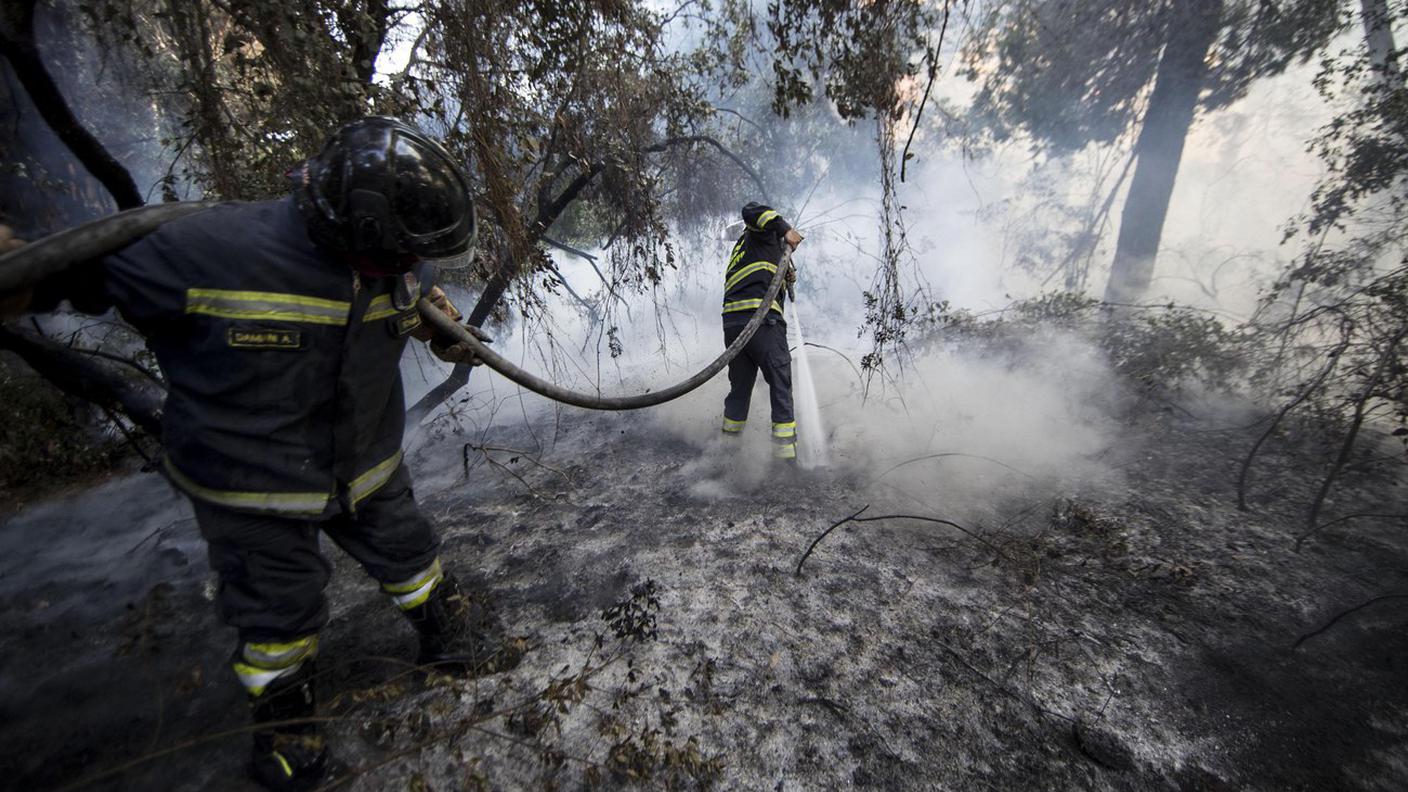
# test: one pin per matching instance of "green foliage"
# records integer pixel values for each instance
(46, 439)
(862, 53)
(634, 617)
(1155, 348)
(1338, 315)
(255, 84)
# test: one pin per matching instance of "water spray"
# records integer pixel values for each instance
(811, 442)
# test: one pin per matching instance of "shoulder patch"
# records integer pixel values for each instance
(407, 323)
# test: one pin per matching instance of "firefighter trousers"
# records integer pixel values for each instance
(766, 351)
(272, 573)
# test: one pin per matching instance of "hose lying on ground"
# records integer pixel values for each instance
(53, 254)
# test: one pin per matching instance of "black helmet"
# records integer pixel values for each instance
(382, 189)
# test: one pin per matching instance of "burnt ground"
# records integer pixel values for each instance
(1122, 637)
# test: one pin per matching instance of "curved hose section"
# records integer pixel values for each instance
(443, 324)
(55, 253)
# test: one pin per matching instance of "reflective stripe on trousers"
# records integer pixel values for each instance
(258, 664)
(292, 503)
(784, 440)
(415, 590)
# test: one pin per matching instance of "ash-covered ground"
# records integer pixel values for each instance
(1101, 620)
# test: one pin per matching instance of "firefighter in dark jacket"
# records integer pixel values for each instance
(751, 266)
(280, 326)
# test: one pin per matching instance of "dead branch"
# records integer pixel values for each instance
(528, 455)
(19, 48)
(722, 149)
(86, 379)
(1389, 356)
(1304, 394)
(951, 454)
(838, 352)
(1360, 515)
(857, 518)
(1003, 689)
(128, 362)
(1331, 623)
(128, 436)
(591, 261)
(932, 56)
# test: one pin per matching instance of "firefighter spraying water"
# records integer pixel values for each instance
(762, 253)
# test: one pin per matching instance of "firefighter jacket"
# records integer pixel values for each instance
(753, 262)
(283, 363)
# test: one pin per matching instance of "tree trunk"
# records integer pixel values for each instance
(19, 48)
(79, 375)
(1378, 35)
(1172, 105)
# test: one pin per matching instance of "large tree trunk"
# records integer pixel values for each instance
(1182, 71)
(1378, 35)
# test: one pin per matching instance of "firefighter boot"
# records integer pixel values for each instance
(459, 634)
(288, 756)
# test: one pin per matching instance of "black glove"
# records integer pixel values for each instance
(459, 351)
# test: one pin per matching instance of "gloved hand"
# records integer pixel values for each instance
(12, 305)
(792, 275)
(8, 241)
(441, 300)
(792, 238)
(458, 351)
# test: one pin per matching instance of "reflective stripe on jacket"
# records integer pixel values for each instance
(753, 262)
(283, 364)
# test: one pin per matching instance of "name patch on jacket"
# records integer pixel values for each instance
(264, 339)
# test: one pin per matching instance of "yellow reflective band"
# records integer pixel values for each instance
(273, 656)
(788, 451)
(381, 307)
(412, 593)
(765, 218)
(416, 581)
(784, 429)
(731, 425)
(282, 502)
(267, 306)
(417, 599)
(255, 680)
(372, 480)
(748, 305)
(757, 266)
(736, 257)
(288, 771)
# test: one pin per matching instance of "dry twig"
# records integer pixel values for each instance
(857, 518)
(1331, 623)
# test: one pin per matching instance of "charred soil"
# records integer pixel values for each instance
(1061, 637)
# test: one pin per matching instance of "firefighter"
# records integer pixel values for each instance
(751, 266)
(280, 326)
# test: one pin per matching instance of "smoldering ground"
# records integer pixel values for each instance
(1094, 614)
(1131, 635)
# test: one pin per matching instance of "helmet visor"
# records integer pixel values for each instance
(453, 261)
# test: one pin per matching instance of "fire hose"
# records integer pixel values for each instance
(51, 255)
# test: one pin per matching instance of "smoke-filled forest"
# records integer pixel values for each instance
(1077, 349)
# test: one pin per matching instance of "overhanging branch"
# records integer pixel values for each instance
(18, 46)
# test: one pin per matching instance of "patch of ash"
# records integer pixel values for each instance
(1067, 633)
